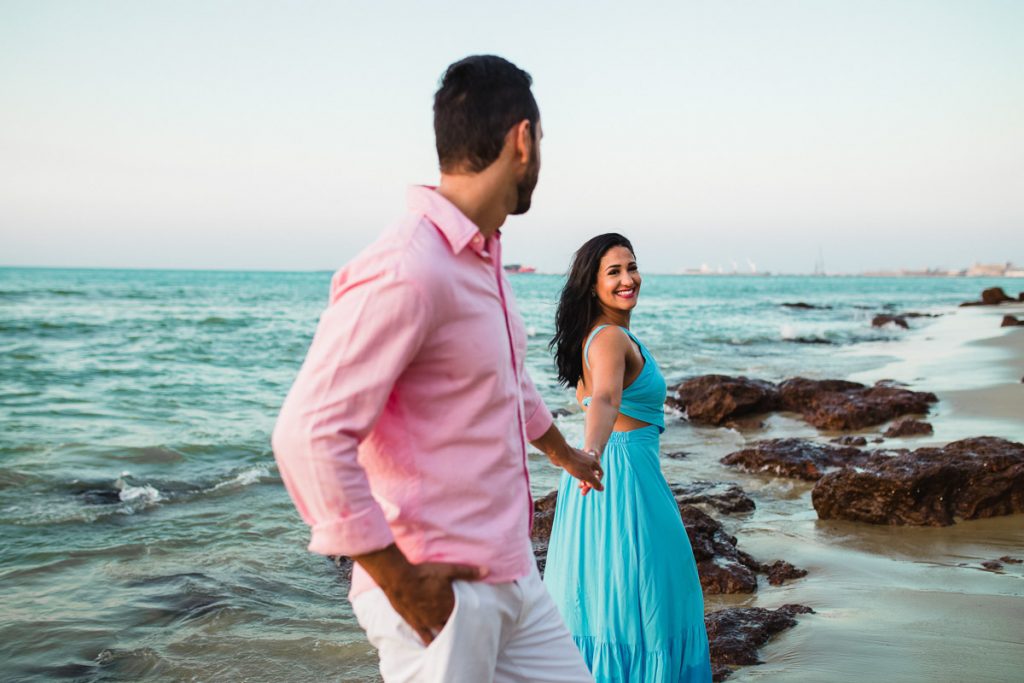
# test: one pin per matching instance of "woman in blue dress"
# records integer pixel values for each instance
(619, 566)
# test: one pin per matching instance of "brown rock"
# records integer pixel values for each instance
(712, 399)
(839, 405)
(1012, 321)
(723, 568)
(993, 296)
(798, 458)
(1010, 560)
(827, 404)
(677, 455)
(909, 427)
(780, 571)
(992, 565)
(543, 518)
(969, 479)
(850, 440)
(722, 496)
(735, 634)
(883, 319)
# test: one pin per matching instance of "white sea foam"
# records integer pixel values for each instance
(246, 477)
(144, 494)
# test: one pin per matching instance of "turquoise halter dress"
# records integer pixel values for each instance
(620, 567)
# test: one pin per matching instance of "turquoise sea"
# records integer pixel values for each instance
(144, 533)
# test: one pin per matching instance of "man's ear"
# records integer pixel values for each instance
(523, 136)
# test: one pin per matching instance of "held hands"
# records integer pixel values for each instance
(585, 466)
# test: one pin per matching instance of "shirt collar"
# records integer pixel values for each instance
(452, 223)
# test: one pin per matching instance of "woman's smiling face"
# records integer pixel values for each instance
(618, 280)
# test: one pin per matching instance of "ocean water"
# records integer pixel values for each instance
(144, 532)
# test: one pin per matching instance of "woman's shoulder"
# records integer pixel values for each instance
(607, 339)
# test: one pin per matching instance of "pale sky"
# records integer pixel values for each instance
(282, 135)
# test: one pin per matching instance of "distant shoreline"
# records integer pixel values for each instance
(871, 275)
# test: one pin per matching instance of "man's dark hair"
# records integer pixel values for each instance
(479, 100)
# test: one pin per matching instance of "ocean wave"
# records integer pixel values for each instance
(135, 496)
(246, 477)
(77, 501)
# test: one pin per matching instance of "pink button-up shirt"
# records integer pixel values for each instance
(409, 419)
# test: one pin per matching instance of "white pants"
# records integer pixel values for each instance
(507, 632)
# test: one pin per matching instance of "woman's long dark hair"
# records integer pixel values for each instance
(578, 307)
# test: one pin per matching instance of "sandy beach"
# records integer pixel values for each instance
(893, 603)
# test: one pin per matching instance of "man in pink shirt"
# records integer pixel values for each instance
(403, 439)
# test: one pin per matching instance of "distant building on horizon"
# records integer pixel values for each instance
(994, 270)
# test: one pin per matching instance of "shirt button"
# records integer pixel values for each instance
(478, 240)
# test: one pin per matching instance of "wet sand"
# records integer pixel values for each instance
(893, 604)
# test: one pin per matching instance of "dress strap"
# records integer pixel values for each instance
(586, 347)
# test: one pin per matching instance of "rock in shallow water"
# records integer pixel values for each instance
(712, 399)
(723, 496)
(839, 405)
(993, 296)
(1012, 321)
(909, 427)
(735, 634)
(781, 571)
(797, 458)
(723, 568)
(850, 440)
(968, 479)
(827, 404)
(883, 319)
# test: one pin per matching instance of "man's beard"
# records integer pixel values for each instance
(524, 188)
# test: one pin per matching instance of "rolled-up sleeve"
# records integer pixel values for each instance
(538, 417)
(364, 341)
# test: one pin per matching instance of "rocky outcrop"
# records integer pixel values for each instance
(883, 319)
(722, 566)
(713, 399)
(969, 479)
(850, 440)
(993, 296)
(796, 458)
(1012, 321)
(543, 518)
(827, 404)
(781, 571)
(722, 496)
(840, 405)
(735, 634)
(909, 427)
